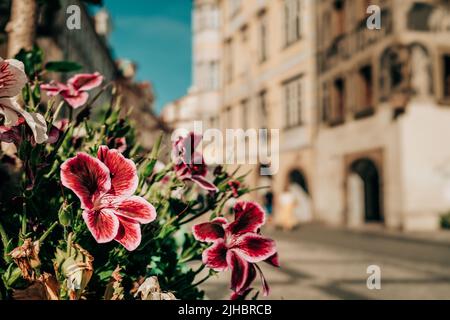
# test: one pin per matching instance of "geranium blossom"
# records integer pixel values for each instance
(105, 186)
(189, 164)
(238, 246)
(12, 80)
(74, 92)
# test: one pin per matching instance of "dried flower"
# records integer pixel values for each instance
(75, 266)
(46, 287)
(27, 258)
(150, 290)
(114, 289)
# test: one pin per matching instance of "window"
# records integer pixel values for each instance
(245, 112)
(229, 61)
(292, 102)
(263, 30)
(228, 118)
(262, 109)
(292, 21)
(366, 93)
(213, 122)
(243, 51)
(339, 17)
(338, 109)
(206, 17)
(446, 79)
(213, 74)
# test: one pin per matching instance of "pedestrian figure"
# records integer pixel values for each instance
(286, 218)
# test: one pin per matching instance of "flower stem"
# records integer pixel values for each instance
(199, 282)
(23, 230)
(47, 233)
(4, 236)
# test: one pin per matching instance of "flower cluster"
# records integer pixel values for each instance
(71, 185)
(238, 246)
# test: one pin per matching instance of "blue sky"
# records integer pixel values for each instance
(156, 34)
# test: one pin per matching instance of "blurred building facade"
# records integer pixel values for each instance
(269, 83)
(203, 100)
(381, 148)
(363, 113)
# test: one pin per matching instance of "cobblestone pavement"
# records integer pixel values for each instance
(325, 263)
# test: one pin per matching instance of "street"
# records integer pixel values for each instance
(319, 262)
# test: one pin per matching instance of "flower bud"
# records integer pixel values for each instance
(65, 214)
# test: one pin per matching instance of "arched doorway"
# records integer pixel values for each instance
(364, 191)
(297, 177)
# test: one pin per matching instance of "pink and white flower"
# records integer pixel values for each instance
(75, 91)
(12, 80)
(189, 164)
(238, 246)
(105, 186)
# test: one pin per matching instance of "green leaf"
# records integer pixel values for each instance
(63, 66)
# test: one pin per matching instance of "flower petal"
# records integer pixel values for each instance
(75, 99)
(86, 81)
(124, 179)
(11, 111)
(12, 77)
(249, 217)
(103, 224)
(53, 88)
(203, 183)
(38, 126)
(87, 177)
(129, 234)
(11, 116)
(137, 209)
(254, 248)
(210, 231)
(273, 260)
(239, 271)
(215, 257)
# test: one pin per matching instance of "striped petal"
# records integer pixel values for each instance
(240, 271)
(87, 177)
(86, 81)
(210, 231)
(249, 217)
(124, 179)
(254, 248)
(75, 98)
(215, 257)
(136, 209)
(103, 224)
(129, 234)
